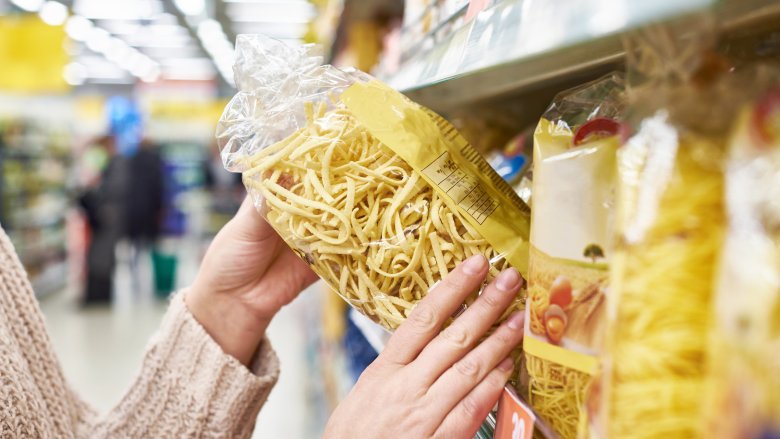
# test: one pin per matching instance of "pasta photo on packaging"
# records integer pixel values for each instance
(575, 173)
(380, 196)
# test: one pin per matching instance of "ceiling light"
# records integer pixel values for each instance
(279, 12)
(28, 5)
(152, 74)
(74, 73)
(191, 7)
(118, 9)
(116, 49)
(53, 13)
(120, 27)
(98, 39)
(78, 27)
(208, 28)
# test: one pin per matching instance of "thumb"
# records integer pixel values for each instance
(249, 224)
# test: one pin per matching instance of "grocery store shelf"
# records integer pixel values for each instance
(375, 335)
(518, 46)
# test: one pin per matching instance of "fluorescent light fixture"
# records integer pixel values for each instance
(78, 28)
(189, 69)
(191, 7)
(148, 39)
(189, 50)
(274, 30)
(98, 39)
(53, 13)
(278, 12)
(152, 74)
(118, 9)
(117, 49)
(120, 27)
(74, 73)
(209, 28)
(165, 18)
(184, 64)
(28, 5)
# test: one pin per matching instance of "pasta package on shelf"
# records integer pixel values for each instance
(574, 177)
(662, 280)
(744, 398)
(380, 196)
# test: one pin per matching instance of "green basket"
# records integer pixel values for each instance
(164, 273)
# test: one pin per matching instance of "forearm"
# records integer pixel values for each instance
(189, 387)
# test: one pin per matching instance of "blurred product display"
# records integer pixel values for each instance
(644, 136)
(34, 168)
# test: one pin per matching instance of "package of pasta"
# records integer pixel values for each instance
(743, 399)
(380, 196)
(575, 171)
(670, 222)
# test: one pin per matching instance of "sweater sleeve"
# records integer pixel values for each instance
(188, 387)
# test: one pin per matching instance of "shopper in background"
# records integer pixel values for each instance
(210, 368)
(144, 204)
(103, 202)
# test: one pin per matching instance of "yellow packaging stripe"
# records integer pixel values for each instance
(435, 150)
(575, 360)
(473, 156)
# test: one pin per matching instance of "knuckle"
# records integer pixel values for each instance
(468, 368)
(490, 300)
(456, 336)
(503, 337)
(423, 318)
(469, 406)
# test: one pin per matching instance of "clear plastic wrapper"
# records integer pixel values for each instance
(744, 386)
(670, 224)
(575, 171)
(380, 196)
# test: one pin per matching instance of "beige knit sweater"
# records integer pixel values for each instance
(187, 386)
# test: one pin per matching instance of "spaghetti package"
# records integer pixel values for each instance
(574, 168)
(379, 195)
(744, 398)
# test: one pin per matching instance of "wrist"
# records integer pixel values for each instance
(231, 324)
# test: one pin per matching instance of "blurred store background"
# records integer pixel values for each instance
(111, 185)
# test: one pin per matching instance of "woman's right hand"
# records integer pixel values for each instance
(433, 383)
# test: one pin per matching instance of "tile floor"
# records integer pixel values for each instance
(101, 349)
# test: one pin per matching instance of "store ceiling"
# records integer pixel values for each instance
(122, 41)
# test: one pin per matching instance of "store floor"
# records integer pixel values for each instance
(101, 349)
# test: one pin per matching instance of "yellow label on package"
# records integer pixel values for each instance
(574, 190)
(448, 163)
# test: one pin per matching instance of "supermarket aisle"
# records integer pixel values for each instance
(100, 349)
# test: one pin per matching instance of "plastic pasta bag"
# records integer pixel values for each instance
(745, 359)
(670, 225)
(379, 195)
(575, 171)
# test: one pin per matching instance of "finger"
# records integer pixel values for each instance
(430, 313)
(465, 419)
(467, 373)
(466, 331)
(249, 225)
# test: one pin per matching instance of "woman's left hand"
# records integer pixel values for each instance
(246, 277)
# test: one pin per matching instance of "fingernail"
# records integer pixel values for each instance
(516, 320)
(474, 264)
(506, 365)
(508, 280)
